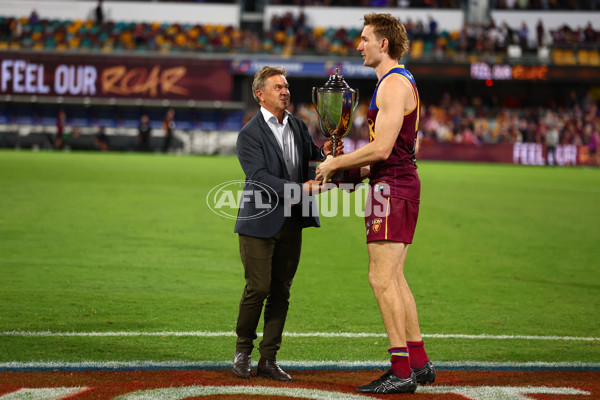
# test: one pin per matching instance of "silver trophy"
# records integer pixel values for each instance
(335, 103)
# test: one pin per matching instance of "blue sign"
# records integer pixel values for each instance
(303, 68)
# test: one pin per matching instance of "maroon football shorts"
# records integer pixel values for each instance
(390, 218)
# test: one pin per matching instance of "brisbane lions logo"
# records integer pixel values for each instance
(371, 129)
(377, 224)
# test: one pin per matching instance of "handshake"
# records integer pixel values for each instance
(326, 176)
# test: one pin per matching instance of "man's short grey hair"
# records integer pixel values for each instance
(260, 78)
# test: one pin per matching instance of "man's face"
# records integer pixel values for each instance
(369, 47)
(275, 95)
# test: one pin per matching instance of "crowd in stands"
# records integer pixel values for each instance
(496, 4)
(449, 120)
(454, 120)
(288, 35)
(577, 122)
(546, 4)
(472, 121)
(374, 3)
(82, 35)
(294, 35)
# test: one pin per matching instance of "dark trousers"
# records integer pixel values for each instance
(270, 265)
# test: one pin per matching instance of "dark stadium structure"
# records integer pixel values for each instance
(488, 74)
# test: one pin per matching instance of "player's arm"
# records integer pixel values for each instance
(394, 96)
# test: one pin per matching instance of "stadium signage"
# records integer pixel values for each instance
(484, 71)
(114, 76)
(508, 153)
(135, 81)
(21, 77)
(533, 154)
(303, 68)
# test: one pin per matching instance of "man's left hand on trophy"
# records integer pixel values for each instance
(328, 147)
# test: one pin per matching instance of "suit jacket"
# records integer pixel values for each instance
(265, 190)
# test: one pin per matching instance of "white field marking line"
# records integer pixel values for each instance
(305, 364)
(295, 334)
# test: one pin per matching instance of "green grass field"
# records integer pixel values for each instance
(95, 242)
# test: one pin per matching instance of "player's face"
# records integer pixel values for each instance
(275, 95)
(369, 47)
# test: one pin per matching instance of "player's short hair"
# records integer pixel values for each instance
(260, 78)
(389, 27)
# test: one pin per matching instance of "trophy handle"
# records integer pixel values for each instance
(315, 103)
(356, 103)
(314, 100)
(334, 145)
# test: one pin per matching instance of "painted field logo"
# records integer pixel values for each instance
(198, 391)
(226, 198)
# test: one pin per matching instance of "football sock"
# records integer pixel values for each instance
(400, 362)
(418, 356)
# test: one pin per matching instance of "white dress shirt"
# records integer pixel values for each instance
(283, 133)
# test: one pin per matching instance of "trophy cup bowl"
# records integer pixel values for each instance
(335, 103)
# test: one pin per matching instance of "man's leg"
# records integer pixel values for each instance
(256, 255)
(286, 256)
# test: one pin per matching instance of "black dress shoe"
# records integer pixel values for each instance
(270, 369)
(242, 366)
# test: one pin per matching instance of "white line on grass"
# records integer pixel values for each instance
(294, 365)
(295, 334)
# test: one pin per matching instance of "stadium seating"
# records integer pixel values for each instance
(563, 57)
(286, 37)
(589, 57)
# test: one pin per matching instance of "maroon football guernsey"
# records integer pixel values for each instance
(399, 171)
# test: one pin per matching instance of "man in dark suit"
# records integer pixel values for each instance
(274, 149)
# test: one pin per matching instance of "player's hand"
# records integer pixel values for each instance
(325, 170)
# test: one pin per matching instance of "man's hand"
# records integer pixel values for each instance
(328, 147)
(312, 187)
(316, 187)
(364, 172)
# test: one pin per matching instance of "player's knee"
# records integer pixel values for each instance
(378, 281)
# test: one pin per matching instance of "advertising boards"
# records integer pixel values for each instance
(115, 76)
